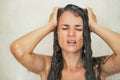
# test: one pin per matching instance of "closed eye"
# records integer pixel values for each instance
(65, 27)
(79, 27)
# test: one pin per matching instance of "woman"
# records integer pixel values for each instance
(72, 58)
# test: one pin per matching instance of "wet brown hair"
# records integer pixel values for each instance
(55, 72)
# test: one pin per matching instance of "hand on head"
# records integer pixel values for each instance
(53, 18)
(92, 16)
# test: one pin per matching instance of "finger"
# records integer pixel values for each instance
(89, 9)
(55, 11)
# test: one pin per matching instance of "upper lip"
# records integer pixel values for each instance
(72, 41)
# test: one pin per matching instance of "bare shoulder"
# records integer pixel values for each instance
(46, 66)
(46, 61)
(36, 63)
(110, 65)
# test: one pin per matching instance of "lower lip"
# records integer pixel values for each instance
(71, 44)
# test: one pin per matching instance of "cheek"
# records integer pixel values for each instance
(80, 39)
(80, 36)
(81, 42)
(60, 37)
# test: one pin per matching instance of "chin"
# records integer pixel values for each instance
(73, 51)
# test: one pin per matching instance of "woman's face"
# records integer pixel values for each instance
(70, 29)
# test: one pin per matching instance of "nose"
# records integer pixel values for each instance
(71, 32)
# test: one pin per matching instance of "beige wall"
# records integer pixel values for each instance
(17, 17)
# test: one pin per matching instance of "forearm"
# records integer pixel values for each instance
(25, 44)
(110, 37)
(28, 42)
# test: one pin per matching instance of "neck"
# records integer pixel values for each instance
(72, 60)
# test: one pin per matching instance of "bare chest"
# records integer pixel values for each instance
(73, 74)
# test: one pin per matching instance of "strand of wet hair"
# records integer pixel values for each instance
(87, 51)
(55, 72)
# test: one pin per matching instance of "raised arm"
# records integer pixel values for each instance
(23, 47)
(112, 65)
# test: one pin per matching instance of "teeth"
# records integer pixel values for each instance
(71, 42)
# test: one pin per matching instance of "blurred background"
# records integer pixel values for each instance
(18, 17)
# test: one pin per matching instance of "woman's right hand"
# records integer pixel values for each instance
(53, 19)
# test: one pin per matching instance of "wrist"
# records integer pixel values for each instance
(50, 26)
(92, 26)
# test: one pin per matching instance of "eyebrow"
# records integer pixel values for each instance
(78, 25)
(64, 25)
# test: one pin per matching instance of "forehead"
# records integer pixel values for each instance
(70, 16)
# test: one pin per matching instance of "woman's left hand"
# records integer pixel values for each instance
(92, 17)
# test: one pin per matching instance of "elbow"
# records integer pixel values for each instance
(16, 50)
